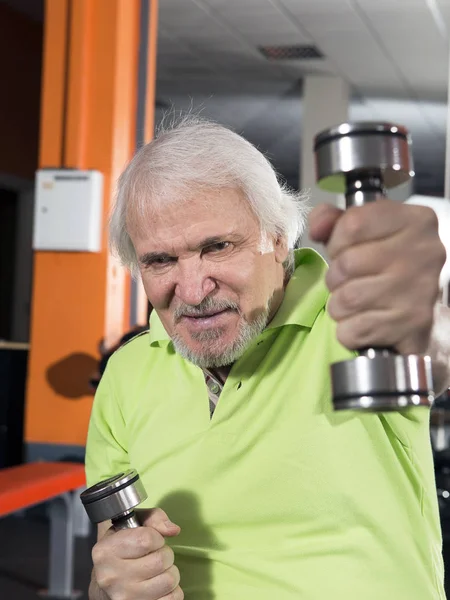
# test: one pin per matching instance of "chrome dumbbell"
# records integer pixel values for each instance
(363, 160)
(115, 499)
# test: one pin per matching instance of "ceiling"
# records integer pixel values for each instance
(393, 54)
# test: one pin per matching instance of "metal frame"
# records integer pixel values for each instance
(66, 522)
(82, 523)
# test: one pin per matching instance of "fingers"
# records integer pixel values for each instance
(386, 328)
(360, 225)
(378, 220)
(128, 543)
(158, 519)
(364, 260)
(151, 566)
(137, 563)
(385, 261)
(120, 581)
(364, 294)
(162, 586)
(322, 220)
(177, 594)
(142, 572)
(340, 229)
(377, 305)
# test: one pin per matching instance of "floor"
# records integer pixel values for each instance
(23, 558)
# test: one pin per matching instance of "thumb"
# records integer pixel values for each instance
(322, 220)
(159, 520)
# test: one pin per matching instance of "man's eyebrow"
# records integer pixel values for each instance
(210, 241)
(217, 239)
(150, 257)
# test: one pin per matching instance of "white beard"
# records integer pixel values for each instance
(213, 353)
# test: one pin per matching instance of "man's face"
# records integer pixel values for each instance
(213, 278)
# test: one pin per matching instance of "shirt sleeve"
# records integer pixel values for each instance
(106, 447)
(407, 431)
(409, 426)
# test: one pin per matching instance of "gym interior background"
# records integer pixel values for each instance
(83, 84)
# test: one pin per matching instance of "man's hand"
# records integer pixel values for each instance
(385, 262)
(133, 564)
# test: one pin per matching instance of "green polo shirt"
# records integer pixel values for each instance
(278, 496)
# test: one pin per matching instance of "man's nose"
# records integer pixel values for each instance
(193, 283)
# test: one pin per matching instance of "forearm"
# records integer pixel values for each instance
(439, 349)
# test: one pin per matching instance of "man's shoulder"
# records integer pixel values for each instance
(133, 353)
(135, 342)
(141, 353)
(135, 364)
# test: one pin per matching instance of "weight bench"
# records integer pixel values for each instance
(58, 483)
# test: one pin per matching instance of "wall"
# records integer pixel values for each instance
(88, 121)
(20, 72)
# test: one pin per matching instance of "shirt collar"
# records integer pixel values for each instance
(305, 296)
(306, 293)
(157, 332)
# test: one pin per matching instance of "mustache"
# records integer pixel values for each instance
(207, 307)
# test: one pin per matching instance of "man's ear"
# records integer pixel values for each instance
(281, 248)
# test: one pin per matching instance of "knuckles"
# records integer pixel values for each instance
(105, 579)
(99, 553)
(163, 559)
(359, 335)
(145, 540)
(177, 594)
(170, 580)
(347, 262)
(441, 254)
(111, 573)
(344, 267)
(344, 301)
(426, 217)
(352, 224)
(406, 264)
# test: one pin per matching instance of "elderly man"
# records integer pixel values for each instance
(257, 489)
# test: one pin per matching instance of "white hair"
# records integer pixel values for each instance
(196, 153)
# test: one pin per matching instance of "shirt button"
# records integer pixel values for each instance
(214, 388)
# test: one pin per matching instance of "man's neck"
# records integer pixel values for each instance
(221, 373)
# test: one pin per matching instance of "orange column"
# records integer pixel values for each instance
(87, 122)
(149, 126)
(151, 71)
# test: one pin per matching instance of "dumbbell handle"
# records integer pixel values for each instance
(127, 521)
(364, 189)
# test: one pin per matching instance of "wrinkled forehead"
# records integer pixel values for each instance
(180, 205)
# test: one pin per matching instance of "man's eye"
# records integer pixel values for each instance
(217, 247)
(160, 261)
